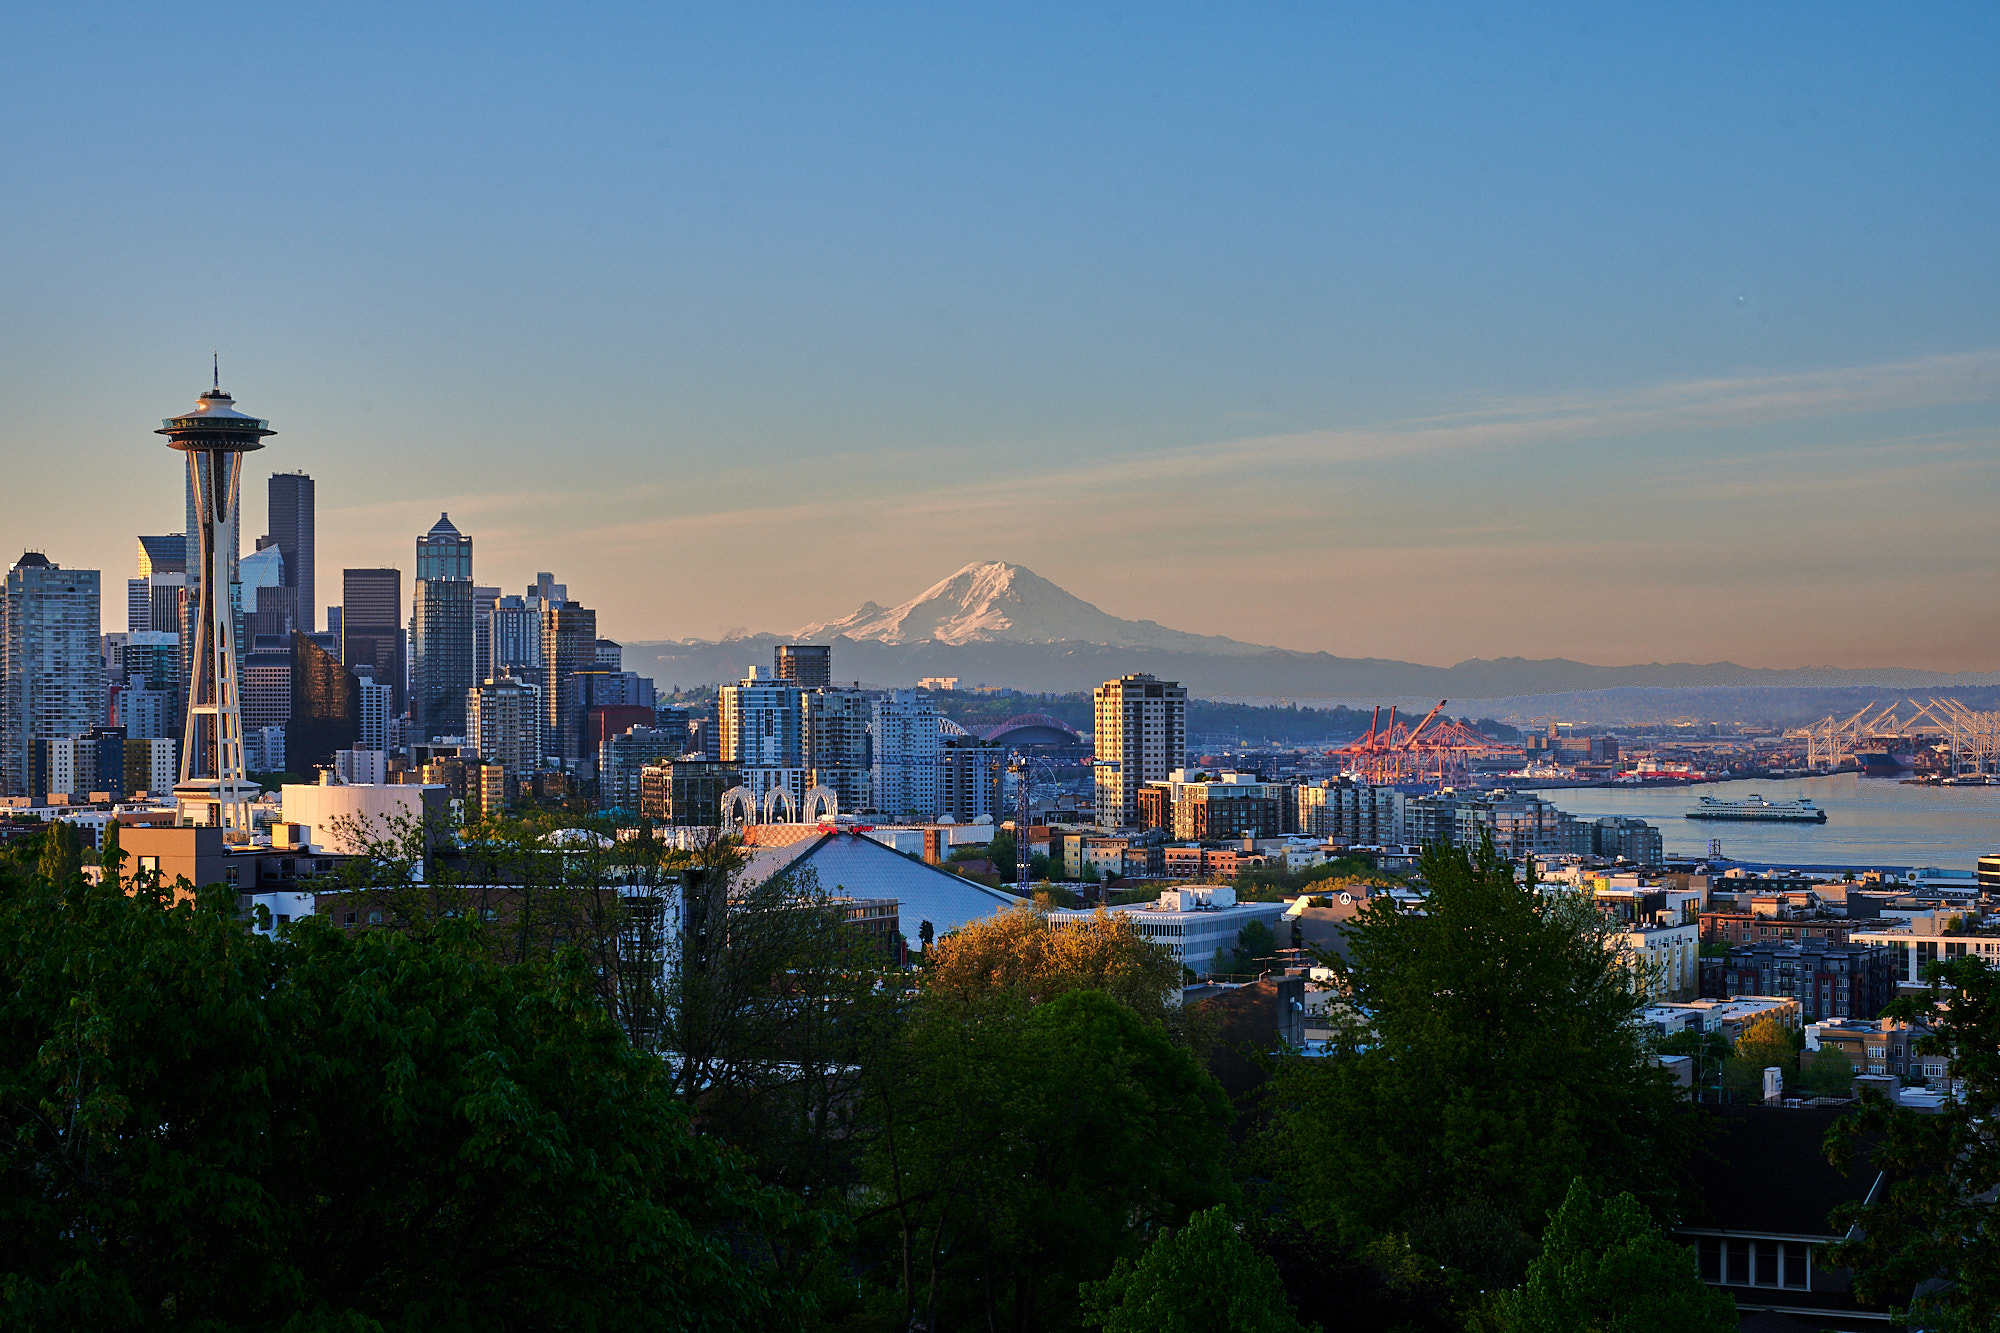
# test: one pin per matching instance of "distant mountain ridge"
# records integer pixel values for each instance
(1000, 624)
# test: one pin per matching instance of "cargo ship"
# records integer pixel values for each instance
(1758, 810)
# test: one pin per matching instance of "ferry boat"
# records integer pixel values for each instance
(1758, 810)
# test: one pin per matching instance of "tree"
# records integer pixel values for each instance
(1001, 853)
(210, 1128)
(1203, 1278)
(1606, 1267)
(1937, 1220)
(1828, 1073)
(1024, 1147)
(110, 855)
(1486, 1053)
(1764, 1043)
(1022, 951)
(62, 853)
(926, 933)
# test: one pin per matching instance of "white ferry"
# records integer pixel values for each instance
(1758, 810)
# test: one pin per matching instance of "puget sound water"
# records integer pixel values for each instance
(1871, 823)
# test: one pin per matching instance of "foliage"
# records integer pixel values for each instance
(1000, 852)
(1023, 951)
(1487, 1054)
(1256, 950)
(1710, 1052)
(1024, 1147)
(1274, 883)
(1764, 1043)
(61, 857)
(1937, 1219)
(1828, 1073)
(1202, 1278)
(207, 1127)
(1605, 1268)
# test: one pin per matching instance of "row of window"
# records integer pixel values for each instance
(1731, 1261)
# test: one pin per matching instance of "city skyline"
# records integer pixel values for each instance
(1401, 341)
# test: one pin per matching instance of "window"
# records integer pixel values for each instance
(1795, 1265)
(352, 918)
(374, 918)
(284, 919)
(1767, 1263)
(1739, 1263)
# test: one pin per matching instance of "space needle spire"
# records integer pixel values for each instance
(213, 788)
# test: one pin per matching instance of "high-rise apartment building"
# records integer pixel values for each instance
(291, 530)
(52, 683)
(1141, 738)
(442, 639)
(905, 743)
(504, 723)
(836, 744)
(762, 734)
(371, 629)
(806, 665)
(569, 645)
(969, 779)
(377, 702)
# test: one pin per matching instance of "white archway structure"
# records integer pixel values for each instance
(735, 800)
(822, 805)
(776, 798)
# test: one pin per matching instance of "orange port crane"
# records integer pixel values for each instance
(1423, 753)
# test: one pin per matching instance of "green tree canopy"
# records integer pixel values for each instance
(1605, 1268)
(210, 1128)
(1937, 1221)
(1202, 1278)
(1024, 1147)
(1486, 1052)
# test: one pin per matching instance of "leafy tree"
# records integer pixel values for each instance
(1001, 853)
(1486, 1052)
(1022, 951)
(1203, 1278)
(1764, 1043)
(1606, 1268)
(205, 1127)
(1937, 1219)
(1710, 1051)
(1828, 1073)
(1024, 1147)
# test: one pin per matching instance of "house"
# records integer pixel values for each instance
(1758, 1209)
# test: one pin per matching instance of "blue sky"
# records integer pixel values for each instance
(1392, 331)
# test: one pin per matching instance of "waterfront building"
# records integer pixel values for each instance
(51, 677)
(1141, 727)
(905, 743)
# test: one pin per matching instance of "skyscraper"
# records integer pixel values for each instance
(442, 639)
(806, 665)
(514, 641)
(1141, 737)
(326, 708)
(905, 743)
(371, 629)
(483, 602)
(53, 688)
(291, 530)
(569, 645)
(214, 436)
(762, 725)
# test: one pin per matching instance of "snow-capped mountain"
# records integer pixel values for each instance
(990, 601)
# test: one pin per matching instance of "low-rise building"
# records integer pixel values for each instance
(1663, 958)
(1724, 1018)
(1913, 948)
(1194, 922)
(1829, 981)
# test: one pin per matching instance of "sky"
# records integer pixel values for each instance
(1395, 331)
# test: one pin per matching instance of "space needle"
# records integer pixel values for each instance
(213, 789)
